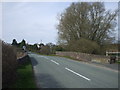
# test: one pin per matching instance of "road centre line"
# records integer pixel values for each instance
(55, 62)
(77, 74)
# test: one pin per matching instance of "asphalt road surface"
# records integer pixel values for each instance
(59, 72)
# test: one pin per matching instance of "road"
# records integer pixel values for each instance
(59, 72)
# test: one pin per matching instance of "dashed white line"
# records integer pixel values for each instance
(55, 62)
(77, 74)
(69, 70)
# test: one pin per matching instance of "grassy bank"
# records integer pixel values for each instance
(60, 56)
(25, 76)
(71, 58)
(118, 61)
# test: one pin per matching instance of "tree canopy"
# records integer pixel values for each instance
(86, 20)
(14, 42)
(22, 43)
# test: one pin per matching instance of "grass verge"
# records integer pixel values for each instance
(118, 61)
(60, 56)
(25, 76)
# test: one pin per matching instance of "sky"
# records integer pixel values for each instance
(34, 21)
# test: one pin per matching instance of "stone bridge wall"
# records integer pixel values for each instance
(84, 56)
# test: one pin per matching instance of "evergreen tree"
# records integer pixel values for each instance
(22, 43)
(14, 42)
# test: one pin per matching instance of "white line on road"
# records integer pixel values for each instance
(77, 74)
(55, 62)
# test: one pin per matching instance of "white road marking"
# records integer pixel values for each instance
(77, 74)
(55, 62)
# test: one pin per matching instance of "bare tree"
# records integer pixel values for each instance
(86, 20)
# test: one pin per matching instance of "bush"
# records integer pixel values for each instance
(9, 64)
(45, 50)
(59, 48)
(84, 46)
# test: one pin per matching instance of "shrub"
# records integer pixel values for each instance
(59, 48)
(9, 64)
(45, 50)
(85, 46)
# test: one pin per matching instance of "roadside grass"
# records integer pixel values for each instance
(118, 61)
(69, 58)
(25, 76)
(60, 56)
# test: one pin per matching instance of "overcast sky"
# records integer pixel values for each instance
(34, 21)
